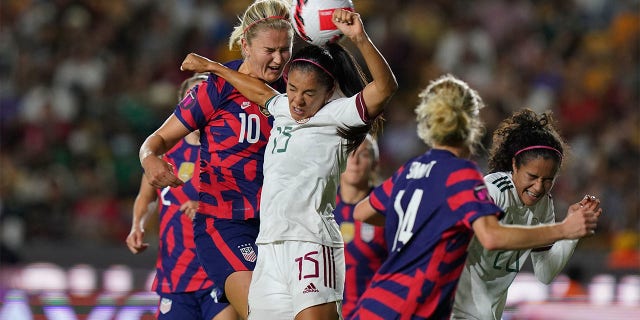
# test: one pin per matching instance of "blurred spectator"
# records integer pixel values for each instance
(575, 287)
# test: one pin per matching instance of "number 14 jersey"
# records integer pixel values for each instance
(429, 204)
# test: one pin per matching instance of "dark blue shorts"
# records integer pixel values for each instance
(198, 305)
(225, 246)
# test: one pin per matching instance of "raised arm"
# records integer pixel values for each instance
(377, 92)
(252, 88)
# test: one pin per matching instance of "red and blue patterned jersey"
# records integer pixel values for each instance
(177, 266)
(429, 204)
(365, 249)
(234, 135)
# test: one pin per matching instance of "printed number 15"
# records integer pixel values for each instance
(314, 266)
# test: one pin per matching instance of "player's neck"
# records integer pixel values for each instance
(460, 152)
(352, 194)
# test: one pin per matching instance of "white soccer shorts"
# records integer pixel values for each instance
(291, 276)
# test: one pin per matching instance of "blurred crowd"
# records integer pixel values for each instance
(83, 82)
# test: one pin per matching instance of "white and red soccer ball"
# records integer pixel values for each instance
(312, 19)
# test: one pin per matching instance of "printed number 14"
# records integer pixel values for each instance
(406, 219)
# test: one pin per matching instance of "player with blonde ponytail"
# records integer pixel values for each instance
(432, 207)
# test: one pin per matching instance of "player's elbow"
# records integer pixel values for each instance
(543, 274)
(544, 279)
(366, 213)
(391, 86)
(387, 89)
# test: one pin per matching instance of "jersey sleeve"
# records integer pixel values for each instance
(379, 196)
(467, 194)
(349, 112)
(274, 102)
(200, 103)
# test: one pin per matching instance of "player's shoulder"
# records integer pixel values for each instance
(501, 188)
(500, 180)
(233, 64)
(220, 84)
(278, 104)
(462, 167)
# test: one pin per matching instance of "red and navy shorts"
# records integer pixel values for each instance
(225, 246)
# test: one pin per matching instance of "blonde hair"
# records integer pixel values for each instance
(262, 14)
(448, 114)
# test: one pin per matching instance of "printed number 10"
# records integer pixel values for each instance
(249, 128)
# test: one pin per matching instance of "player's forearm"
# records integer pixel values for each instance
(139, 215)
(143, 206)
(516, 237)
(154, 145)
(495, 236)
(547, 264)
(254, 89)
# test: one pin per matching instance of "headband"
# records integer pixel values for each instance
(539, 147)
(262, 19)
(315, 64)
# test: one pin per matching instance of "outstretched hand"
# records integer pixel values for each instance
(197, 63)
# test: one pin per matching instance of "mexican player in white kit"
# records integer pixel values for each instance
(525, 159)
(298, 232)
(300, 268)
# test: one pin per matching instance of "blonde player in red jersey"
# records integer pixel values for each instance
(234, 134)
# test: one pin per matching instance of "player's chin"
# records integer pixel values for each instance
(272, 75)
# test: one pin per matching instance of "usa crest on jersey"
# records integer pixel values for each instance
(248, 253)
(165, 305)
(367, 232)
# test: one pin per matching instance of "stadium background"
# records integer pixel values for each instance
(83, 82)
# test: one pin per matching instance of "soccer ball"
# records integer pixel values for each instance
(312, 19)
